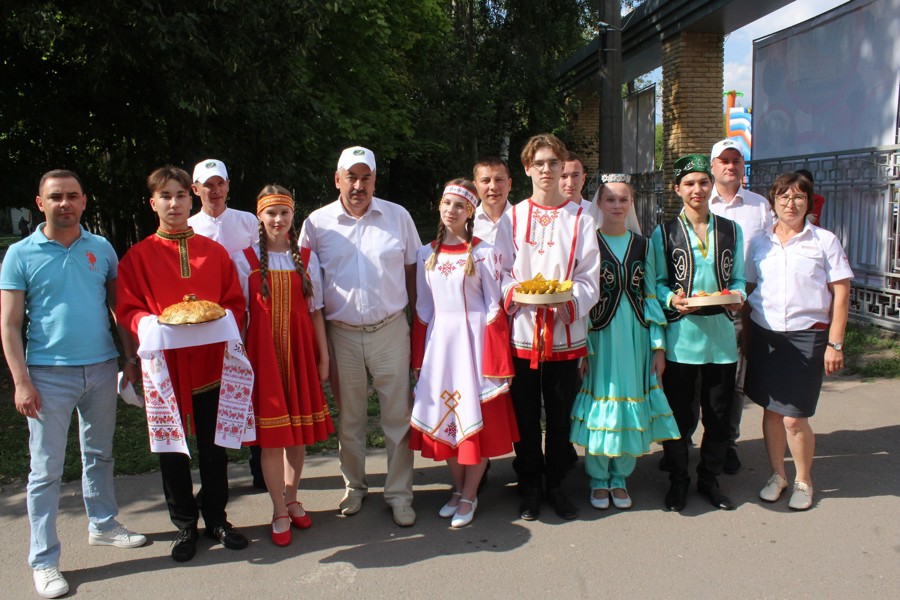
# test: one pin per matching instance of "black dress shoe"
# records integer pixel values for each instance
(530, 509)
(717, 498)
(563, 507)
(676, 498)
(732, 462)
(184, 547)
(230, 537)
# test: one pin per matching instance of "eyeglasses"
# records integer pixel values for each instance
(551, 164)
(785, 199)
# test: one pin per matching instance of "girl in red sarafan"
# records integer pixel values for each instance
(287, 348)
(462, 412)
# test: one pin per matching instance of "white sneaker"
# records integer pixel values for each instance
(118, 537)
(50, 583)
(802, 498)
(773, 488)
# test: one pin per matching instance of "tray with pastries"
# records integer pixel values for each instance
(538, 290)
(714, 299)
(191, 311)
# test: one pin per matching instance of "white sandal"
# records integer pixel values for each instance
(449, 510)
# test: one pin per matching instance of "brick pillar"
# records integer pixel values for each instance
(692, 102)
(583, 129)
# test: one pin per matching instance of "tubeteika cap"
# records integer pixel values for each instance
(691, 163)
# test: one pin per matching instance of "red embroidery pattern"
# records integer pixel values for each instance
(542, 227)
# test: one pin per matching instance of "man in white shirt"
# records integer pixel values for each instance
(234, 229)
(752, 212)
(367, 251)
(571, 182)
(492, 180)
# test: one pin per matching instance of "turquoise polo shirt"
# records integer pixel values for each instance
(65, 297)
(696, 339)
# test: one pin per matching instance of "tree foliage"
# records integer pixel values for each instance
(275, 89)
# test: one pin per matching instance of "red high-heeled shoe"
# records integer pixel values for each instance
(283, 538)
(303, 521)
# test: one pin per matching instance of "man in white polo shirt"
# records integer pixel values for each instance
(234, 229)
(752, 212)
(367, 250)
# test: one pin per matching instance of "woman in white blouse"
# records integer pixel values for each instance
(798, 280)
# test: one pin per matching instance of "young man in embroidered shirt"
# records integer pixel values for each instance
(64, 279)
(154, 274)
(552, 236)
(367, 251)
(694, 252)
(751, 211)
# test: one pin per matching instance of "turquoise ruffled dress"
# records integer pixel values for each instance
(621, 408)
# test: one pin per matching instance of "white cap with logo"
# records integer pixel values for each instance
(354, 156)
(210, 167)
(722, 146)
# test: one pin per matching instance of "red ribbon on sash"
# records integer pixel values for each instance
(542, 344)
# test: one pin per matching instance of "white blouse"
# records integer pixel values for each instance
(792, 279)
(281, 261)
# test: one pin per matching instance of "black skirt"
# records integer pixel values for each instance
(785, 369)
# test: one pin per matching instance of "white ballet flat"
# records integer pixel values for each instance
(463, 520)
(448, 511)
(621, 503)
(600, 503)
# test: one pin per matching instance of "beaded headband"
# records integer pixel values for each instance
(615, 178)
(273, 200)
(458, 190)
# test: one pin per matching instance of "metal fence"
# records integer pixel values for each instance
(862, 194)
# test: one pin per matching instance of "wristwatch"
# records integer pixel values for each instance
(837, 346)
(133, 360)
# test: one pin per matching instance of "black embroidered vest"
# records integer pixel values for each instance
(680, 259)
(617, 278)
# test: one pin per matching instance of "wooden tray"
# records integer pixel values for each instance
(522, 298)
(713, 300)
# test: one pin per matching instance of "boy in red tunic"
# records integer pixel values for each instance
(158, 272)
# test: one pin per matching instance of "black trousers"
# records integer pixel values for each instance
(556, 383)
(184, 508)
(716, 400)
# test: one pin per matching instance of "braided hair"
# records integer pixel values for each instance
(265, 290)
(442, 230)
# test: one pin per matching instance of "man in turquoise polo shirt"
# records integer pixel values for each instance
(63, 278)
(698, 252)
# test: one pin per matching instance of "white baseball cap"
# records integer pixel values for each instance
(722, 146)
(354, 156)
(210, 167)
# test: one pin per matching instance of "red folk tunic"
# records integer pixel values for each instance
(460, 341)
(281, 344)
(158, 272)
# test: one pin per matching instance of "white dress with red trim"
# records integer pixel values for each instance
(559, 243)
(460, 338)
(281, 343)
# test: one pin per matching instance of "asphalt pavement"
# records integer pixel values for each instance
(846, 546)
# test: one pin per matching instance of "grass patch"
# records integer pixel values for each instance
(131, 447)
(871, 352)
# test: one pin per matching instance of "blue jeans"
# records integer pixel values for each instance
(91, 390)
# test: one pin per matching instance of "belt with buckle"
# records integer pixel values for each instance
(367, 328)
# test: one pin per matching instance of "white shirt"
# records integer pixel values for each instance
(234, 229)
(486, 230)
(748, 209)
(791, 281)
(280, 261)
(363, 260)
